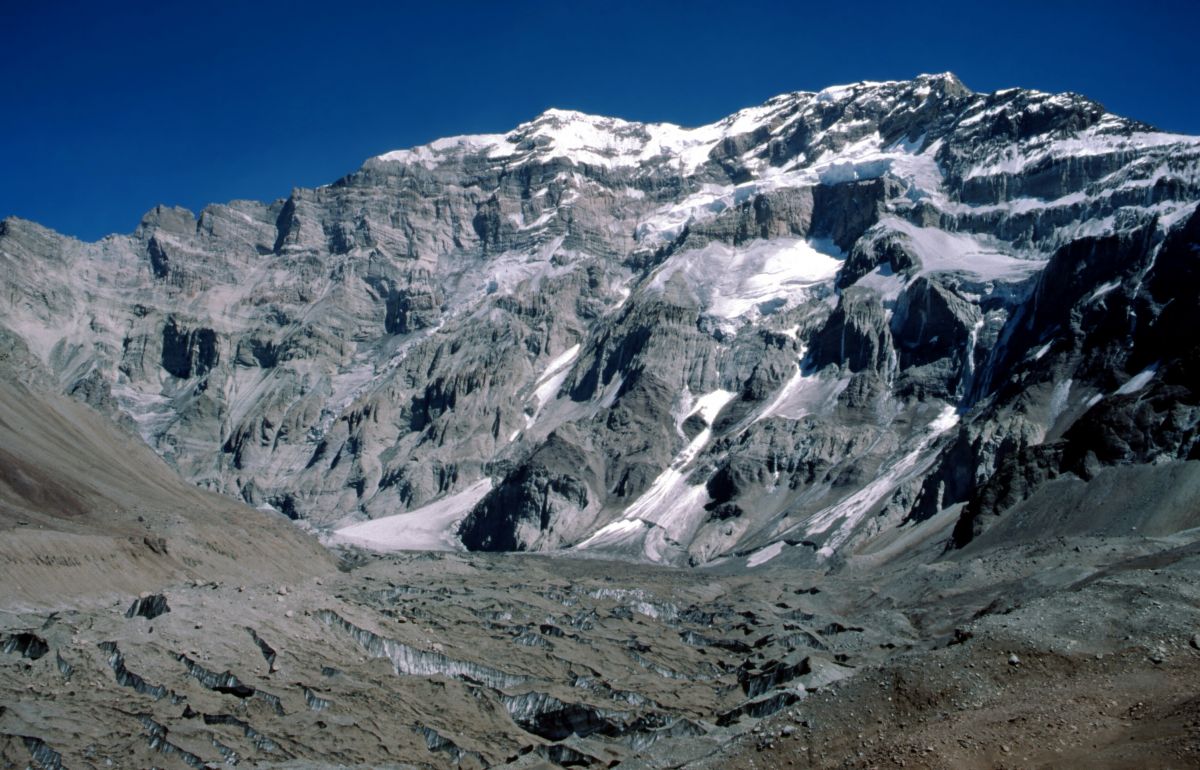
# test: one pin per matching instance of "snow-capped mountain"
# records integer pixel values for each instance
(813, 321)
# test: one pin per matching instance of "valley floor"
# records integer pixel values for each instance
(1066, 653)
(1105, 675)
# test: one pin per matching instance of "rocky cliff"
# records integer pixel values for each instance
(819, 318)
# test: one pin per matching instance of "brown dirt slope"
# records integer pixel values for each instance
(87, 510)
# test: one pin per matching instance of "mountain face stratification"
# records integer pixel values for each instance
(815, 320)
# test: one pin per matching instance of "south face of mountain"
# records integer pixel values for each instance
(779, 335)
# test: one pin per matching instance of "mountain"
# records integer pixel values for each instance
(817, 321)
(903, 376)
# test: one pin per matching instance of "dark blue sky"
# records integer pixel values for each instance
(111, 108)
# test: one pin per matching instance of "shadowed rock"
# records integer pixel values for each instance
(148, 607)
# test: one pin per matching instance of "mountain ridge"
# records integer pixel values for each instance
(549, 309)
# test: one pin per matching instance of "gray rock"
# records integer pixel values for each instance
(376, 345)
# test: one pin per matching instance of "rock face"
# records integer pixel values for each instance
(829, 314)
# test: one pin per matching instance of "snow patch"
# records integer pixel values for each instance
(554, 376)
(710, 405)
(759, 278)
(1137, 381)
(849, 512)
(559, 362)
(803, 394)
(428, 528)
(668, 509)
(1058, 400)
(940, 251)
(764, 555)
(454, 147)
(1103, 289)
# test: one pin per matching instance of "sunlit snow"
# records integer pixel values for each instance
(762, 276)
(429, 528)
(430, 155)
(940, 251)
(849, 512)
(1015, 159)
(764, 555)
(671, 505)
(555, 374)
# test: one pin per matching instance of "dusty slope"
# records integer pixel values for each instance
(87, 510)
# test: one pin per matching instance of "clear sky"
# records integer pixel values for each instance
(111, 108)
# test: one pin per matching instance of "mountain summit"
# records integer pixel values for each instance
(779, 335)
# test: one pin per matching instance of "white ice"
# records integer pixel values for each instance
(430, 155)
(1093, 141)
(732, 282)
(428, 528)
(803, 394)
(764, 555)
(669, 507)
(1137, 381)
(554, 375)
(940, 251)
(849, 512)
